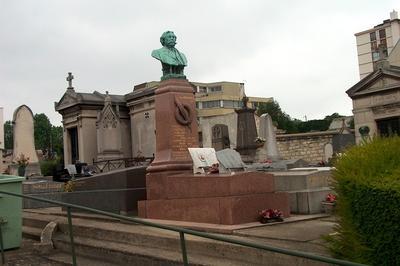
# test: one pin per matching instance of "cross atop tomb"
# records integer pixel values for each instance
(69, 79)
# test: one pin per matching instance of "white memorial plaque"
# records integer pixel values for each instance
(71, 169)
(202, 158)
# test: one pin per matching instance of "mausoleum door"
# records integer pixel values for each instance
(73, 135)
(220, 137)
(388, 127)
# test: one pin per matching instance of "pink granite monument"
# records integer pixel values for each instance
(173, 191)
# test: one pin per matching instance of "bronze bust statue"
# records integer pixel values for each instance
(173, 62)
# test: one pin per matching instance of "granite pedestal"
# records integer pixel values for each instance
(218, 199)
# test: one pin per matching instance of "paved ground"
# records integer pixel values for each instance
(26, 255)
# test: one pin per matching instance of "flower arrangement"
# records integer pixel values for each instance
(22, 160)
(330, 198)
(329, 204)
(270, 215)
(69, 186)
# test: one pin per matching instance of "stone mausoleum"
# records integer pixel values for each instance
(101, 126)
(376, 99)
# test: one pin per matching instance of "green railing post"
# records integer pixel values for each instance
(183, 247)
(71, 236)
(3, 260)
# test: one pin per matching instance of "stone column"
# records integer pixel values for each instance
(176, 126)
(267, 131)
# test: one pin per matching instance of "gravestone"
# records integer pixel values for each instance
(246, 132)
(230, 160)
(203, 158)
(220, 137)
(24, 142)
(173, 192)
(267, 132)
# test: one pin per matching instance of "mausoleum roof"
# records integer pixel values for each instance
(372, 83)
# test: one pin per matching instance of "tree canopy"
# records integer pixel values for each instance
(290, 125)
(48, 138)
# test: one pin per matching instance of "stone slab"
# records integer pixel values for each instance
(308, 201)
(299, 180)
(165, 186)
(41, 186)
(215, 210)
(230, 159)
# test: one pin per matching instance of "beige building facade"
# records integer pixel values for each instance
(101, 126)
(377, 43)
(376, 99)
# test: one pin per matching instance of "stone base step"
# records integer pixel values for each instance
(132, 244)
(308, 201)
(31, 232)
(112, 253)
(62, 258)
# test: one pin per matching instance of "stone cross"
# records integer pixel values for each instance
(69, 79)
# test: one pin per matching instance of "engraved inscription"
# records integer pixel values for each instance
(181, 141)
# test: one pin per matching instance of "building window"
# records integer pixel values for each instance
(215, 89)
(232, 104)
(375, 56)
(203, 89)
(374, 46)
(382, 34)
(372, 36)
(211, 104)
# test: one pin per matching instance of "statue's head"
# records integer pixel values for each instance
(168, 39)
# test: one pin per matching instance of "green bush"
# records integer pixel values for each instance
(367, 181)
(48, 167)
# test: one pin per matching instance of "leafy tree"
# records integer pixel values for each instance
(8, 135)
(57, 140)
(42, 127)
(283, 120)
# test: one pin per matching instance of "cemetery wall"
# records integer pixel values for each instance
(306, 146)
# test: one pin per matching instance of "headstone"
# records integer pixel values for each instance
(268, 133)
(71, 169)
(203, 158)
(220, 137)
(230, 160)
(24, 142)
(246, 132)
(328, 152)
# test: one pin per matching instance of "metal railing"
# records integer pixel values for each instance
(109, 165)
(181, 231)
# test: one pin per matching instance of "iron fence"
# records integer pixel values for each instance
(181, 231)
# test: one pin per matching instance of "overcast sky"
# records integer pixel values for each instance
(301, 53)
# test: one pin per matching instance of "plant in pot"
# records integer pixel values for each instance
(328, 205)
(22, 161)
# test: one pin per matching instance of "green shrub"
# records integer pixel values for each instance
(367, 181)
(48, 167)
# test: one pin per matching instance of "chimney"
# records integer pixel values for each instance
(393, 15)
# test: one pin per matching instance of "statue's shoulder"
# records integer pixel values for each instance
(157, 53)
